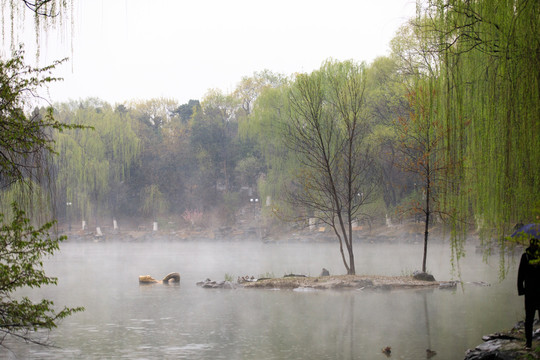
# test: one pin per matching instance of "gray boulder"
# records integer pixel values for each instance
(209, 284)
(423, 276)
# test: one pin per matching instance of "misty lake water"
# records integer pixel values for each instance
(125, 320)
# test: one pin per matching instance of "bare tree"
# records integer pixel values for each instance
(421, 140)
(327, 133)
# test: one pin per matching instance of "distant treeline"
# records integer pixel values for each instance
(159, 159)
(455, 83)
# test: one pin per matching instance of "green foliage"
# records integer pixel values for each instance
(94, 161)
(386, 101)
(265, 126)
(153, 201)
(149, 145)
(248, 169)
(28, 195)
(186, 111)
(25, 146)
(231, 203)
(489, 78)
(250, 88)
(22, 248)
(165, 159)
(25, 142)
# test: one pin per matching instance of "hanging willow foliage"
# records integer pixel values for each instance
(26, 134)
(92, 162)
(490, 77)
(46, 14)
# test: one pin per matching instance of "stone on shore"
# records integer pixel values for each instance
(504, 346)
(210, 284)
(419, 275)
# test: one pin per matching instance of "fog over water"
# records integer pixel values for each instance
(126, 320)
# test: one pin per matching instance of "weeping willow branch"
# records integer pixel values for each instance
(490, 78)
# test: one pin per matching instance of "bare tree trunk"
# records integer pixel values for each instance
(352, 269)
(426, 227)
(342, 252)
(426, 232)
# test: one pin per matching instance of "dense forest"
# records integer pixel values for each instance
(158, 160)
(448, 123)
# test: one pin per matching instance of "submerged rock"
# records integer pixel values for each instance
(448, 285)
(479, 283)
(210, 284)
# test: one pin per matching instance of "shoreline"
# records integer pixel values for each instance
(506, 345)
(399, 233)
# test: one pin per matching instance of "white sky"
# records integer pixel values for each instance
(142, 49)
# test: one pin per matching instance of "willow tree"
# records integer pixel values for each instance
(326, 133)
(490, 78)
(386, 101)
(153, 203)
(46, 15)
(250, 87)
(264, 126)
(25, 148)
(93, 163)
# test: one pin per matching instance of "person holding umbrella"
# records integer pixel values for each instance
(529, 279)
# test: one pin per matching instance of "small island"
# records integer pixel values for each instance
(345, 282)
(332, 282)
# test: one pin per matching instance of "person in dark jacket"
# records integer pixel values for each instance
(529, 285)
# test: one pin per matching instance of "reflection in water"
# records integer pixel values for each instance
(351, 325)
(426, 316)
(125, 320)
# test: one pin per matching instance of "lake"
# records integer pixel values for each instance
(124, 320)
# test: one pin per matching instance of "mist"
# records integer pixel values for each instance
(231, 140)
(125, 319)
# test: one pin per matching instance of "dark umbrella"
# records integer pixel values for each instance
(530, 229)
